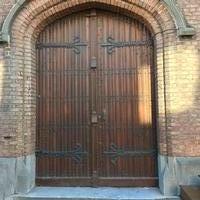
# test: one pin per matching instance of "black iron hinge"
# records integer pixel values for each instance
(75, 45)
(115, 153)
(76, 154)
(111, 44)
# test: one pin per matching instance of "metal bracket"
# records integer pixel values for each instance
(115, 152)
(76, 154)
(75, 45)
(111, 44)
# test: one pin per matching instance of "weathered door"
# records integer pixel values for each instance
(95, 108)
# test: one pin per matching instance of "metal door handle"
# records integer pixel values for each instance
(95, 118)
(102, 116)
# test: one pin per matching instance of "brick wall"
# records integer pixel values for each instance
(6, 121)
(178, 124)
(184, 88)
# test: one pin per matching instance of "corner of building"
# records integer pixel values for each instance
(17, 175)
(177, 171)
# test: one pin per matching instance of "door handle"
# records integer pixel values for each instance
(103, 115)
(95, 117)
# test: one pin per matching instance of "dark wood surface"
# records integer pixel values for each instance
(95, 108)
(190, 192)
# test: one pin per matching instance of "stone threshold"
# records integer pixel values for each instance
(87, 193)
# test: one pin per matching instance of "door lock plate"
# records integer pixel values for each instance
(93, 63)
(94, 118)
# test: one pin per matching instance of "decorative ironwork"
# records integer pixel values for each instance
(75, 45)
(111, 44)
(76, 154)
(115, 152)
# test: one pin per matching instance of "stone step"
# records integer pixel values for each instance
(86, 193)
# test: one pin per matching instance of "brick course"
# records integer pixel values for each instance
(177, 65)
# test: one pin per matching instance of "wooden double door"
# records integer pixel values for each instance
(95, 108)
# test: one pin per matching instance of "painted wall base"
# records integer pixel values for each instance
(17, 175)
(176, 171)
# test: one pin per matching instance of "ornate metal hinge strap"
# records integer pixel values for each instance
(115, 152)
(75, 45)
(76, 154)
(111, 44)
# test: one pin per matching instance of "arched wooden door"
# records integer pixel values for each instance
(95, 108)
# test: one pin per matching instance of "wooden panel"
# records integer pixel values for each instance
(91, 81)
(63, 100)
(126, 137)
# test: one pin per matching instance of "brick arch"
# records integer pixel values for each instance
(30, 21)
(36, 14)
(153, 6)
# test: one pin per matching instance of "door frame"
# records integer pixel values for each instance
(42, 44)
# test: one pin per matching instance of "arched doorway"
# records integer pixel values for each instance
(95, 107)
